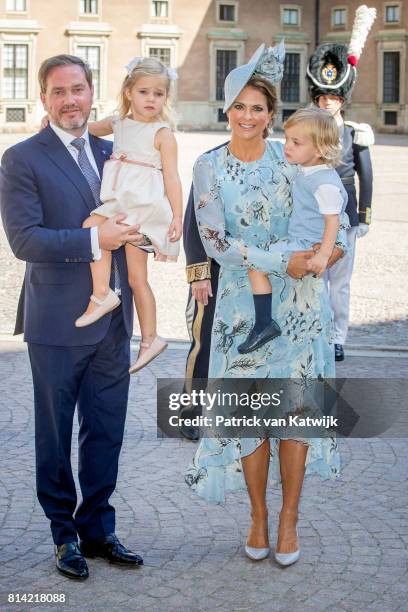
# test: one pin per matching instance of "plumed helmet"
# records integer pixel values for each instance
(332, 67)
(329, 72)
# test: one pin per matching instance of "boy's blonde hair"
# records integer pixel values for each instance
(148, 66)
(323, 130)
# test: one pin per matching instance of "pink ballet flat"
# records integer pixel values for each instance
(153, 350)
(103, 307)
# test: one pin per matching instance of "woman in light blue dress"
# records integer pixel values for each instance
(243, 203)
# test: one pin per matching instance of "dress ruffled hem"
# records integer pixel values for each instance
(213, 474)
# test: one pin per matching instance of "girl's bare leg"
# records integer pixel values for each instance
(256, 467)
(101, 269)
(292, 458)
(142, 294)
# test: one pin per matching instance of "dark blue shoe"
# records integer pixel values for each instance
(338, 352)
(70, 561)
(111, 549)
(256, 340)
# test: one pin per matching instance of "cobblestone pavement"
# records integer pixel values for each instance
(353, 533)
(379, 303)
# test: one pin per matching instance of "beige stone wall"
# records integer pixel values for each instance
(124, 28)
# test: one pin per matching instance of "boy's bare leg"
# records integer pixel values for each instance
(259, 282)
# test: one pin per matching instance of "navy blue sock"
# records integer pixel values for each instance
(263, 308)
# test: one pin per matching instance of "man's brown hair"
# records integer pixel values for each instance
(61, 60)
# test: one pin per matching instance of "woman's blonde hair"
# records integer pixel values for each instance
(148, 66)
(322, 129)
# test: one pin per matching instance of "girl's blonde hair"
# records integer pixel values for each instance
(322, 129)
(148, 66)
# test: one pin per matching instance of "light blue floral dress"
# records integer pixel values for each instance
(250, 203)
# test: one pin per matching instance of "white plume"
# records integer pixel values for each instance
(363, 21)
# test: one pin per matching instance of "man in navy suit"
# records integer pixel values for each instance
(49, 184)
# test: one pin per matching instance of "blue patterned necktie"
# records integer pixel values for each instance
(95, 186)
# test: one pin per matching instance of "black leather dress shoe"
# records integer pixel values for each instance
(70, 561)
(111, 549)
(338, 352)
(256, 340)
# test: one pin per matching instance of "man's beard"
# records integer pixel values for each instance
(71, 124)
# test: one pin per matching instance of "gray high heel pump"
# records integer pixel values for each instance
(256, 554)
(286, 559)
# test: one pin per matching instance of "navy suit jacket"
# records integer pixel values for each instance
(44, 200)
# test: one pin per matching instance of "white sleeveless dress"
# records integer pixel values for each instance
(132, 184)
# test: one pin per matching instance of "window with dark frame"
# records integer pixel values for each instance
(291, 16)
(226, 60)
(92, 56)
(222, 117)
(391, 77)
(15, 115)
(339, 17)
(226, 12)
(390, 118)
(161, 53)
(392, 13)
(15, 71)
(286, 113)
(88, 7)
(290, 85)
(160, 8)
(16, 6)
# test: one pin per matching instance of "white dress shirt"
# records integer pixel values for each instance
(328, 197)
(66, 139)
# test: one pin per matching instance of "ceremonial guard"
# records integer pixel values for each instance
(332, 75)
(202, 274)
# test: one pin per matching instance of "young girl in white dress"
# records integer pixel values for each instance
(140, 180)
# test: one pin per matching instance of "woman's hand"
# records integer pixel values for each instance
(175, 229)
(298, 265)
(44, 122)
(201, 290)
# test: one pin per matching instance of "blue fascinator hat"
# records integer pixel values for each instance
(266, 63)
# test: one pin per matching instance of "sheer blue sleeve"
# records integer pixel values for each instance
(210, 216)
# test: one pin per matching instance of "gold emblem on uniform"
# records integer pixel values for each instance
(329, 73)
